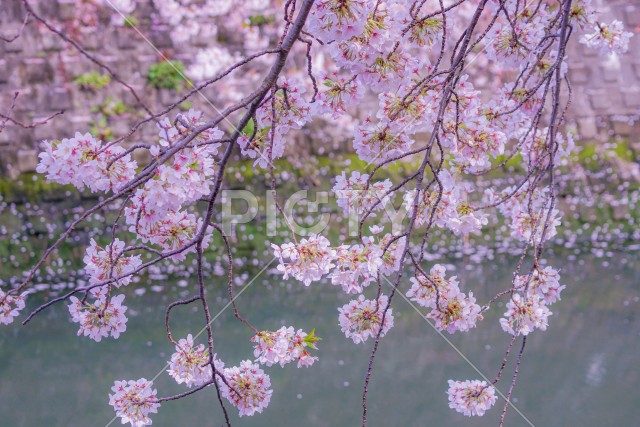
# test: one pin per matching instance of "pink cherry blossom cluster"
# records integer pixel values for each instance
(368, 51)
(357, 266)
(361, 318)
(534, 147)
(188, 176)
(172, 231)
(356, 194)
(335, 20)
(544, 282)
(380, 141)
(583, 12)
(340, 94)
(471, 398)
(525, 314)
(284, 346)
(133, 401)
(528, 212)
(447, 206)
(527, 309)
(189, 365)
(352, 267)
(246, 386)
(285, 109)
(102, 317)
(185, 124)
(10, 306)
(452, 310)
(421, 27)
(154, 213)
(473, 137)
(84, 161)
(248, 389)
(608, 38)
(306, 261)
(155, 210)
(514, 45)
(391, 258)
(104, 264)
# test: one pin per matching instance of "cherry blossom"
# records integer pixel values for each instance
(100, 318)
(545, 283)
(524, 315)
(456, 312)
(339, 94)
(250, 391)
(359, 319)
(419, 30)
(511, 44)
(189, 365)
(171, 231)
(105, 263)
(352, 196)
(185, 181)
(447, 206)
(608, 38)
(287, 104)
(356, 266)
(583, 12)
(531, 218)
(531, 226)
(452, 310)
(392, 248)
(284, 346)
(389, 69)
(11, 306)
(337, 20)
(426, 290)
(471, 398)
(377, 142)
(133, 401)
(267, 145)
(407, 110)
(84, 161)
(309, 260)
(535, 146)
(284, 109)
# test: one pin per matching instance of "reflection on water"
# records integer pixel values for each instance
(582, 371)
(596, 371)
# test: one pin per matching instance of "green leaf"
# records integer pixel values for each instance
(131, 21)
(248, 129)
(311, 339)
(93, 81)
(166, 75)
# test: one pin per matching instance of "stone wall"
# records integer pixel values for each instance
(42, 68)
(606, 91)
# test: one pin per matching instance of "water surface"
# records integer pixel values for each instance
(583, 371)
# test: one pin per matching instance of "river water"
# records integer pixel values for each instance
(583, 371)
